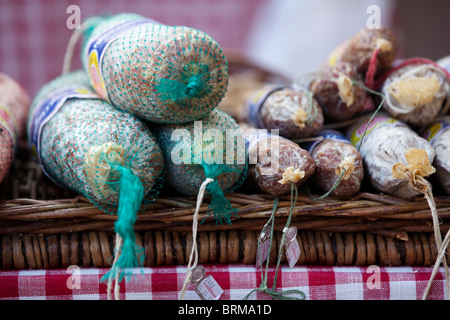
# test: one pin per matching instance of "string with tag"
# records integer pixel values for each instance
(196, 274)
(268, 229)
(194, 251)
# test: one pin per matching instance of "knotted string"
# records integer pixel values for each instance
(263, 288)
(193, 258)
(441, 245)
(440, 259)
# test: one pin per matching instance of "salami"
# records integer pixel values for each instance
(396, 158)
(337, 94)
(415, 93)
(159, 73)
(366, 44)
(108, 156)
(332, 156)
(275, 162)
(199, 150)
(292, 111)
(438, 134)
(17, 100)
(14, 105)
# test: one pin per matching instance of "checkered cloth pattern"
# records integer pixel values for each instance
(34, 34)
(166, 283)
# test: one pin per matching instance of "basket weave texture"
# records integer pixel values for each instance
(45, 226)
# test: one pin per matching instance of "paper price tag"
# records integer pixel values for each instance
(208, 288)
(263, 246)
(291, 246)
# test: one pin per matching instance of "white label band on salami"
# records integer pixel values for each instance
(327, 135)
(356, 134)
(96, 50)
(255, 103)
(437, 129)
(45, 111)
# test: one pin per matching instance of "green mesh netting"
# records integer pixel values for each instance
(105, 154)
(166, 74)
(213, 147)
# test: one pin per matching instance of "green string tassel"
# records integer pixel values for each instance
(131, 195)
(219, 206)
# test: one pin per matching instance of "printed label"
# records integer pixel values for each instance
(96, 50)
(208, 289)
(8, 121)
(435, 130)
(46, 110)
(356, 134)
(326, 135)
(255, 103)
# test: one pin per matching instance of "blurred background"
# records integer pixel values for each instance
(292, 37)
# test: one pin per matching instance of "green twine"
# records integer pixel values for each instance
(359, 83)
(191, 82)
(277, 295)
(219, 206)
(131, 195)
(194, 86)
(312, 112)
(358, 147)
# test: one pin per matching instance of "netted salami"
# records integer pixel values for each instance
(292, 111)
(275, 162)
(438, 134)
(337, 92)
(415, 93)
(14, 105)
(396, 158)
(339, 165)
(158, 73)
(213, 148)
(109, 156)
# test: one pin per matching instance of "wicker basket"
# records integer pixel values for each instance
(44, 226)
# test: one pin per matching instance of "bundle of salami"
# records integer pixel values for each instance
(369, 142)
(109, 131)
(391, 134)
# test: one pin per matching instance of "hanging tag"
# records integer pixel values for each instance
(263, 246)
(291, 246)
(207, 287)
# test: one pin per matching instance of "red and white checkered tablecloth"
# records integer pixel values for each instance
(165, 283)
